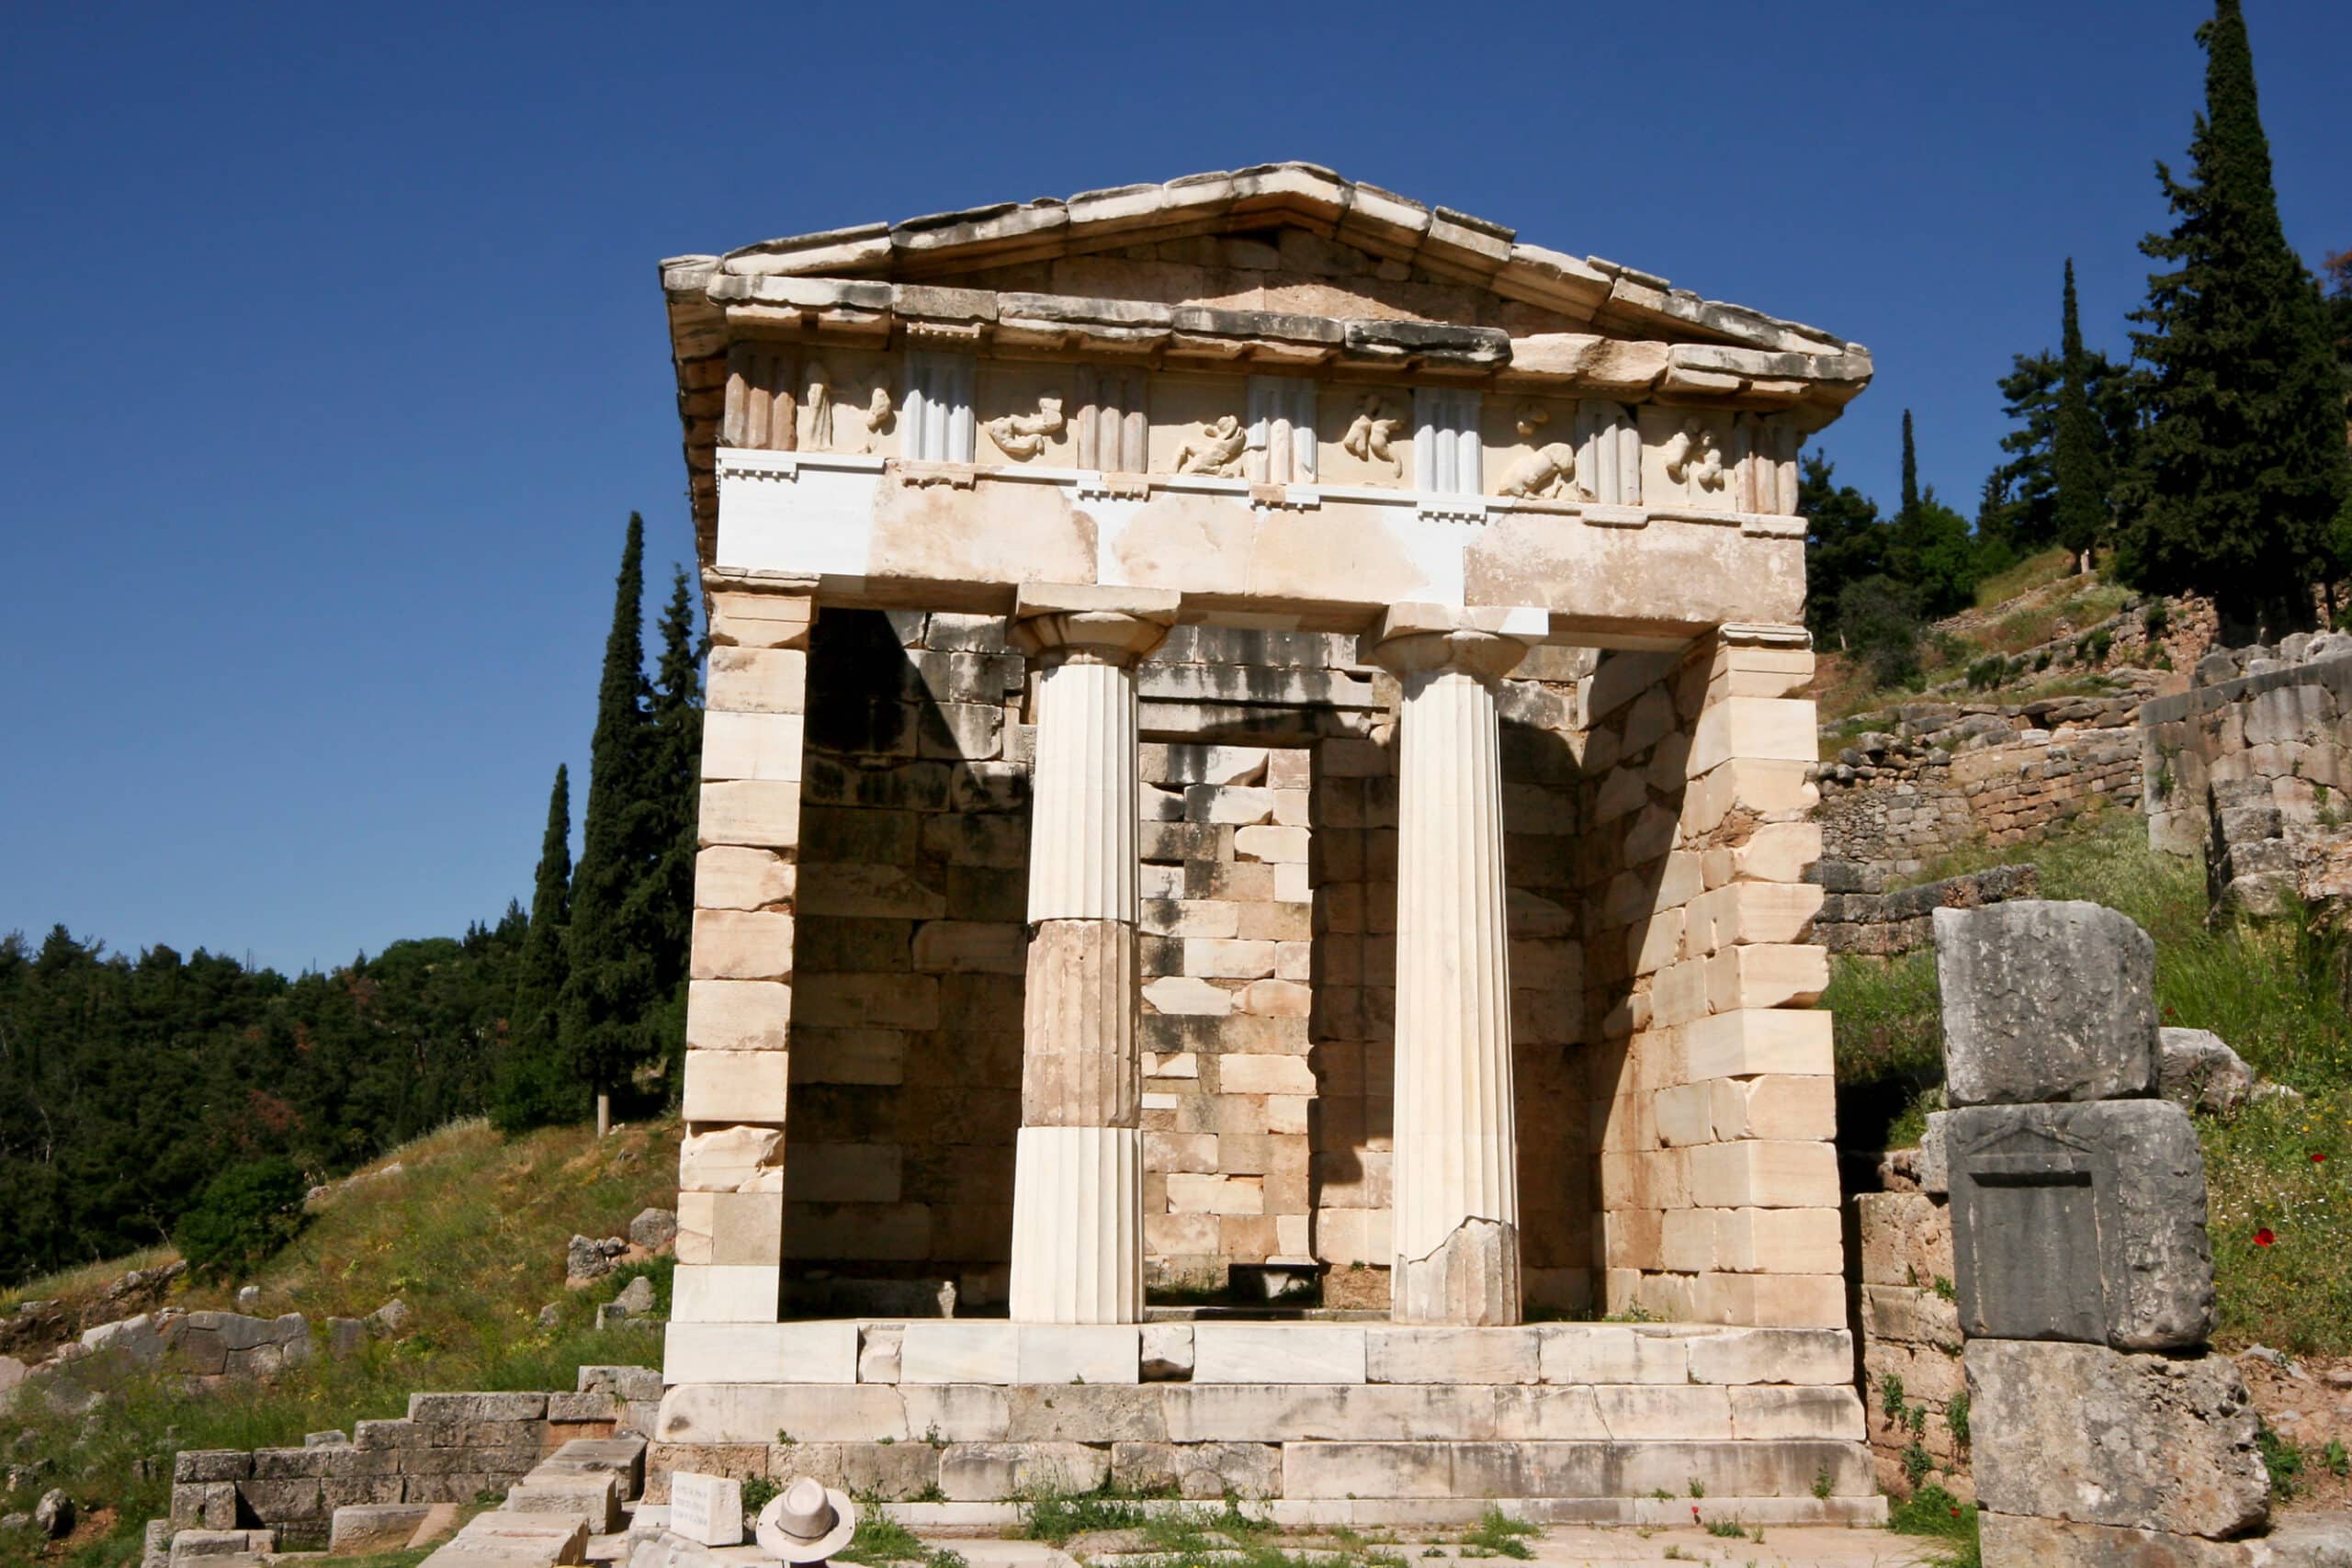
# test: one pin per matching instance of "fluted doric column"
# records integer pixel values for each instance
(1078, 1164)
(1455, 1174)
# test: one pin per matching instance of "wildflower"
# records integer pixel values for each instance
(2264, 1238)
(2318, 1158)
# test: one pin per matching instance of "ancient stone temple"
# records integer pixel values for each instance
(1250, 755)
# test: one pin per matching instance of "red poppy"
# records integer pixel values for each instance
(2319, 1159)
(2263, 1236)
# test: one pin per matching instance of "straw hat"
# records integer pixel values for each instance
(806, 1522)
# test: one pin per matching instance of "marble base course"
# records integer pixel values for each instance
(976, 1411)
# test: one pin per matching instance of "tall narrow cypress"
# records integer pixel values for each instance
(611, 989)
(1910, 508)
(2082, 483)
(530, 1087)
(674, 782)
(2242, 474)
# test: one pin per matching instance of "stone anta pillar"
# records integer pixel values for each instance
(1077, 1161)
(1456, 1160)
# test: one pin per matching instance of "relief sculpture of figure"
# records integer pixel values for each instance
(821, 411)
(1021, 436)
(1548, 473)
(880, 417)
(1216, 450)
(1368, 433)
(1694, 460)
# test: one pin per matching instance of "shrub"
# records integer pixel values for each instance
(1987, 671)
(1878, 618)
(247, 1212)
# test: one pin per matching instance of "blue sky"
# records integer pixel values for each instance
(334, 361)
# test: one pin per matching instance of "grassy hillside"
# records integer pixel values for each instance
(2274, 991)
(465, 1226)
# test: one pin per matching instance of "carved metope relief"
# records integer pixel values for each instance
(1445, 441)
(1371, 431)
(1608, 453)
(1114, 431)
(1215, 448)
(759, 400)
(1021, 436)
(1548, 473)
(1694, 459)
(1768, 471)
(1281, 430)
(935, 414)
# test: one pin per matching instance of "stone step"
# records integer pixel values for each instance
(504, 1539)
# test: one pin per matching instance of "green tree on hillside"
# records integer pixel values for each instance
(1845, 540)
(2079, 459)
(2025, 512)
(2242, 479)
(532, 1088)
(674, 781)
(611, 987)
(1929, 548)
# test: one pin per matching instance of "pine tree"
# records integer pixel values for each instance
(611, 990)
(674, 785)
(2244, 476)
(2076, 460)
(1928, 549)
(2028, 515)
(532, 1088)
(1844, 541)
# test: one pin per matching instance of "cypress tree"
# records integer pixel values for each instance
(2082, 483)
(531, 1088)
(2242, 474)
(1910, 474)
(610, 992)
(674, 782)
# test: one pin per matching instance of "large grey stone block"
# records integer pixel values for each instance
(2081, 1222)
(2045, 1000)
(2101, 1437)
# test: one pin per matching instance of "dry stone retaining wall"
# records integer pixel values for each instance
(1858, 916)
(1948, 775)
(1914, 1384)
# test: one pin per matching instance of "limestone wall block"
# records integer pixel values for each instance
(1662, 1412)
(1213, 919)
(1277, 1353)
(741, 944)
(1779, 1414)
(1767, 1174)
(1277, 999)
(840, 1172)
(733, 877)
(1766, 787)
(1748, 912)
(1767, 976)
(752, 746)
(1773, 1356)
(736, 1086)
(733, 1292)
(1195, 1194)
(986, 1472)
(971, 947)
(1750, 1040)
(729, 1228)
(731, 1159)
(738, 1015)
(1228, 960)
(1778, 1241)
(1761, 728)
(1684, 1114)
(757, 680)
(1771, 1300)
(1185, 996)
(760, 620)
(750, 811)
(1611, 1353)
(1434, 1355)
(713, 1398)
(1774, 1106)
(2045, 1000)
(1777, 852)
(751, 1354)
(1271, 843)
(874, 1000)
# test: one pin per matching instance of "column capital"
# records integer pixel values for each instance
(1483, 642)
(1089, 621)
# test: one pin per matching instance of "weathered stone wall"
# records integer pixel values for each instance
(2251, 772)
(1912, 1379)
(1266, 955)
(1709, 1074)
(1946, 775)
(1859, 916)
(450, 1448)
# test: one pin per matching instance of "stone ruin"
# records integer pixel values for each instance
(2103, 1430)
(1250, 749)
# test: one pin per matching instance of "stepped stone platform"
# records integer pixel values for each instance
(1325, 1421)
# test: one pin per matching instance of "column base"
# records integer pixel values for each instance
(1078, 1225)
(1472, 1279)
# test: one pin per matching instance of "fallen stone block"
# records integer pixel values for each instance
(364, 1528)
(2098, 1437)
(2196, 1068)
(594, 1499)
(2045, 1000)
